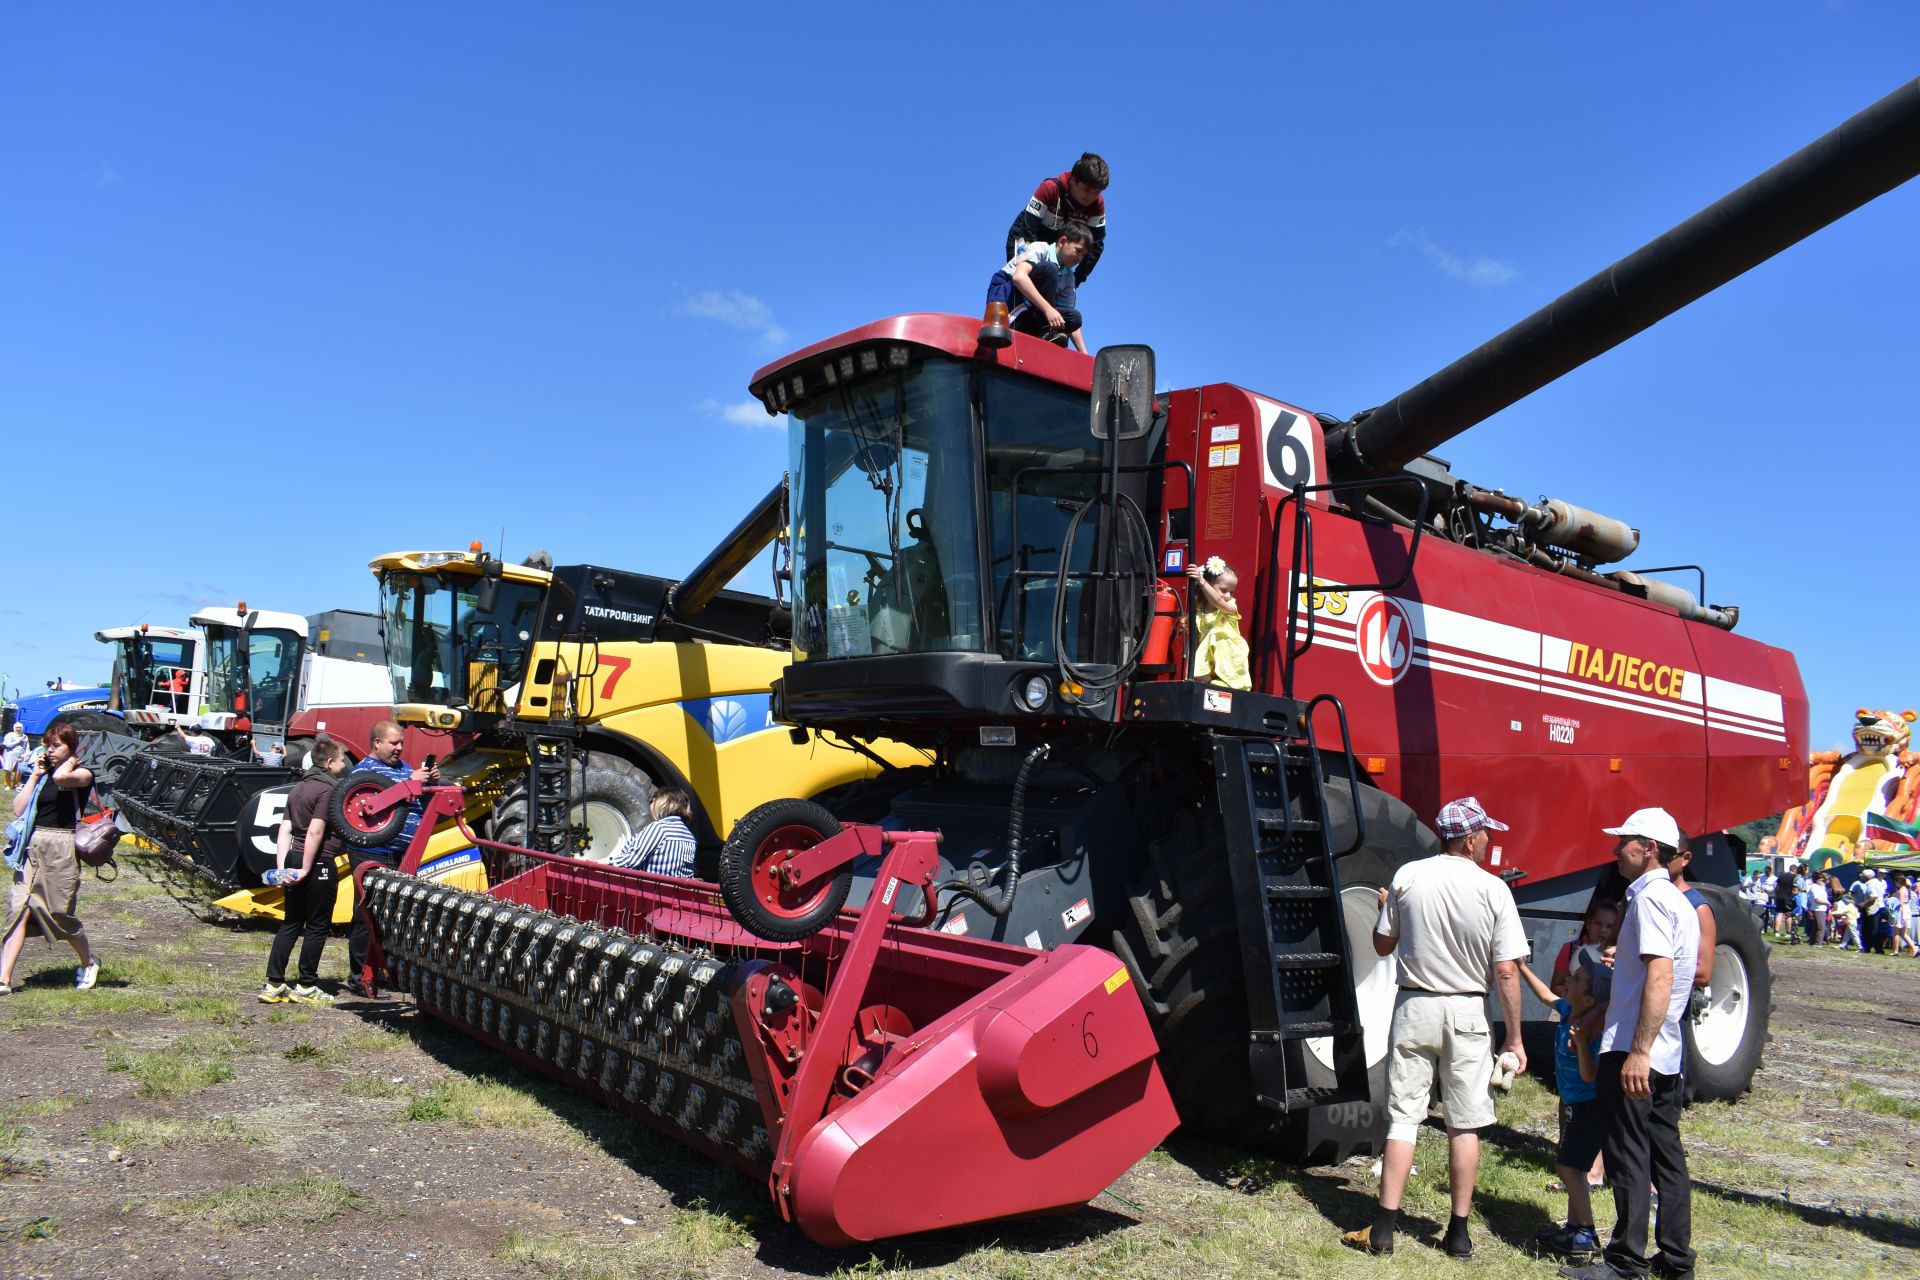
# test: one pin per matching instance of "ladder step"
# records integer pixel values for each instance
(1293, 892)
(1298, 1098)
(1280, 826)
(1307, 1030)
(1307, 959)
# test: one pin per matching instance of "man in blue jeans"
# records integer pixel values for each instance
(1640, 1055)
(383, 759)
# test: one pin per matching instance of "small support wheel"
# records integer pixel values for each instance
(751, 880)
(350, 812)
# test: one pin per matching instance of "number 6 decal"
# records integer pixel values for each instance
(1088, 1040)
(1286, 446)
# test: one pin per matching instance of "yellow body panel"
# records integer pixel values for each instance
(724, 746)
(270, 904)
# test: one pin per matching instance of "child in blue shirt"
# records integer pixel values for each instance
(1037, 288)
(1574, 1073)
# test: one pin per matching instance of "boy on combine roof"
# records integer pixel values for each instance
(1036, 286)
(1074, 196)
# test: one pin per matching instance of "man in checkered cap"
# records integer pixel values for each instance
(1455, 929)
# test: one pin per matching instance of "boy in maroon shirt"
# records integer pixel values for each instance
(1074, 196)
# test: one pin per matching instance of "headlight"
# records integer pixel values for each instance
(1033, 694)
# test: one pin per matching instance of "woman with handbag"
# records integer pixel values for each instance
(46, 873)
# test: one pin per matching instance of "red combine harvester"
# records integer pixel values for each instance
(1103, 853)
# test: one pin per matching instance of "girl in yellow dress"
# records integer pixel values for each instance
(1220, 652)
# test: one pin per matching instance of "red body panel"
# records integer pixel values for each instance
(1483, 676)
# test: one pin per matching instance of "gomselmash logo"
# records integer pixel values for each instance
(1384, 637)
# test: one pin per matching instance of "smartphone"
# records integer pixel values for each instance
(428, 766)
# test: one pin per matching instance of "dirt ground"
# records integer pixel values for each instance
(168, 1125)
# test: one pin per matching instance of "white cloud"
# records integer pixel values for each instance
(736, 310)
(742, 413)
(105, 176)
(1478, 270)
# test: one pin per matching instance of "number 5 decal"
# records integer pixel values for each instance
(617, 667)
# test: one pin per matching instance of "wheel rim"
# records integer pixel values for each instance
(1376, 978)
(769, 889)
(607, 827)
(355, 807)
(1721, 1030)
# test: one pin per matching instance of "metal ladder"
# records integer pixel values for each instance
(550, 765)
(1293, 938)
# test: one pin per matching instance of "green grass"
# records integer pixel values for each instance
(693, 1239)
(164, 1131)
(41, 1107)
(191, 1062)
(292, 1017)
(376, 1087)
(1843, 1005)
(1865, 1097)
(44, 1227)
(300, 1203)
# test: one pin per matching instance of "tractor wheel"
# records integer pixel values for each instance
(296, 755)
(1181, 945)
(348, 815)
(93, 722)
(610, 798)
(1394, 837)
(1723, 1048)
(750, 861)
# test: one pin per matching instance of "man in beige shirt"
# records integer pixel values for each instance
(1454, 927)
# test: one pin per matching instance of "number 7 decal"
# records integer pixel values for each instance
(618, 668)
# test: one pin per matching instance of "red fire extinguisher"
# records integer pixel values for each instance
(1158, 651)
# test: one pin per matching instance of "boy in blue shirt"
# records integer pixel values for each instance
(1574, 1073)
(1037, 288)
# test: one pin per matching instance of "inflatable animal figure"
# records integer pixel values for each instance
(1880, 776)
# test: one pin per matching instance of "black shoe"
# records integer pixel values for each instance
(1600, 1270)
(355, 987)
(1458, 1246)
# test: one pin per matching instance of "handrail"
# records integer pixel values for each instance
(1303, 548)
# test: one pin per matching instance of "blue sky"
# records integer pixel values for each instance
(283, 287)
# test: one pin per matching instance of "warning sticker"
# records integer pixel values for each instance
(956, 925)
(1222, 435)
(1074, 914)
(1224, 455)
(1216, 700)
(1033, 940)
(1117, 981)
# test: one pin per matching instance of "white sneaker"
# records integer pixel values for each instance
(89, 973)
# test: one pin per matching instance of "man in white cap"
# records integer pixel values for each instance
(1454, 927)
(1640, 1056)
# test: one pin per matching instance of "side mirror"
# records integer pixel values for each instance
(487, 595)
(1122, 393)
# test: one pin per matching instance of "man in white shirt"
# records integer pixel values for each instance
(196, 739)
(1641, 1054)
(1454, 927)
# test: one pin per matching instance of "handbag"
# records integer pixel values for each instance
(93, 839)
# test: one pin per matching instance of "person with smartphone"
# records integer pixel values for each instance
(310, 885)
(384, 747)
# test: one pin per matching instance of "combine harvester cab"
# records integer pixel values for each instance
(881, 1079)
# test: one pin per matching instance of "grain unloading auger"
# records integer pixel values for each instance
(882, 1078)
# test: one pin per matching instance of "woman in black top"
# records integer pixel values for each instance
(46, 888)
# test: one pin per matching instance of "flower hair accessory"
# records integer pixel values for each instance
(1215, 566)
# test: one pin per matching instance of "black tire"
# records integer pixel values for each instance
(89, 721)
(1724, 1049)
(611, 794)
(1394, 836)
(1180, 942)
(296, 753)
(749, 862)
(347, 815)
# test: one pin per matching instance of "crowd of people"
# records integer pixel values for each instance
(1876, 912)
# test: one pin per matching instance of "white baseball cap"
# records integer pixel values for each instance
(1656, 825)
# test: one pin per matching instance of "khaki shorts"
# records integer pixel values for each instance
(1444, 1035)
